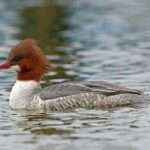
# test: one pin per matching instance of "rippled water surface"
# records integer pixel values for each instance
(84, 40)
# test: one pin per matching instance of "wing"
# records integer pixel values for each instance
(109, 89)
(73, 88)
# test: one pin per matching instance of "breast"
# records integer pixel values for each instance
(22, 94)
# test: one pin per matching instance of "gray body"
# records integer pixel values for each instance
(88, 94)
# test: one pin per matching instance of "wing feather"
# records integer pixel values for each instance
(73, 88)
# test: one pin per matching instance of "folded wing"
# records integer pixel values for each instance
(73, 88)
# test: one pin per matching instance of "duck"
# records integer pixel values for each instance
(31, 64)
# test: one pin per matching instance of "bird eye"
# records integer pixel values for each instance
(16, 59)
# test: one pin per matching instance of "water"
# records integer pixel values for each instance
(84, 40)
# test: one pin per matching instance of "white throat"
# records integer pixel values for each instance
(22, 93)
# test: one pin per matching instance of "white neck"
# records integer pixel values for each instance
(22, 93)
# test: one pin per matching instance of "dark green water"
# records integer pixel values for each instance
(84, 40)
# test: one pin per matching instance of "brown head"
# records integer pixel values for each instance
(28, 60)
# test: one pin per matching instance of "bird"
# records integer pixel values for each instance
(31, 64)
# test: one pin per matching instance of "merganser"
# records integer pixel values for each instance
(28, 60)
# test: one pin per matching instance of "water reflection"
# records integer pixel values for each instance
(46, 23)
(37, 123)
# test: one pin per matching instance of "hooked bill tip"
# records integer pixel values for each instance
(5, 65)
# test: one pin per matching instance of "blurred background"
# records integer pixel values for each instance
(85, 40)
